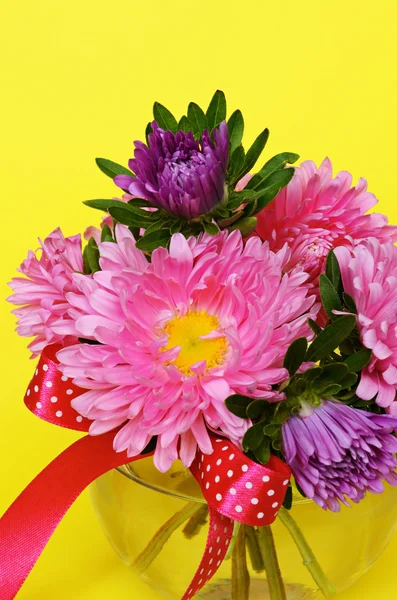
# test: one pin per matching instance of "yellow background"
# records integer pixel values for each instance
(78, 81)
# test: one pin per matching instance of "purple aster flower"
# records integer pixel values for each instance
(184, 176)
(336, 451)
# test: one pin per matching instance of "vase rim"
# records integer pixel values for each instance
(130, 473)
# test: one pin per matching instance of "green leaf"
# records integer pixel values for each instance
(210, 228)
(236, 163)
(332, 270)
(262, 453)
(313, 326)
(184, 124)
(238, 404)
(276, 163)
(274, 183)
(348, 381)
(246, 225)
(295, 355)
(216, 112)
(176, 227)
(232, 219)
(256, 407)
(331, 390)
(349, 303)
(333, 373)
(91, 257)
(329, 297)
(104, 204)
(153, 240)
(235, 126)
(111, 169)
(253, 437)
(106, 233)
(358, 360)
(330, 338)
(197, 119)
(254, 152)
(155, 226)
(148, 131)
(312, 374)
(164, 117)
(129, 217)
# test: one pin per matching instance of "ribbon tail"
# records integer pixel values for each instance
(219, 536)
(30, 521)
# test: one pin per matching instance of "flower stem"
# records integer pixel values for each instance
(240, 575)
(156, 544)
(309, 560)
(254, 551)
(196, 522)
(269, 555)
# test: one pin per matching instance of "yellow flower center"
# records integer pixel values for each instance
(186, 332)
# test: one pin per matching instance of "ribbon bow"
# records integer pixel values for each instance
(235, 487)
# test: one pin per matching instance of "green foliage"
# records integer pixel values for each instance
(164, 117)
(111, 169)
(236, 129)
(197, 119)
(216, 111)
(295, 355)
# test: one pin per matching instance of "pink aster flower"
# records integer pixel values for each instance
(316, 212)
(205, 319)
(369, 275)
(48, 278)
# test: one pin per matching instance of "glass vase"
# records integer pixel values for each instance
(157, 525)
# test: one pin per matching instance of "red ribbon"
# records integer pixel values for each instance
(236, 488)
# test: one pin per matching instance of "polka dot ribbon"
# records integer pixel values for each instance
(236, 488)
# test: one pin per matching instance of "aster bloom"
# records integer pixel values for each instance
(42, 291)
(369, 275)
(205, 319)
(182, 175)
(316, 212)
(336, 451)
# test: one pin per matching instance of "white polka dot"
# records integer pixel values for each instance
(38, 405)
(202, 458)
(45, 367)
(266, 478)
(225, 448)
(59, 413)
(231, 457)
(219, 440)
(248, 485)
(218, 539)
(202, 571)
(207, 485)
(286, 482)
(219, 461)
(79, 419)
(200, 582)
(64, 378)
(208, 468)
(36, 372)
(260, 515)
(209, 572)
(36, 388)
(254, 501)
(239, 508)
(232, 491)
(225, 530)
(217, 479)
(218, 563)
(230, 473)
(227, 542)
(218, 497)
(54, 399)
(270, 493)
(215, 527)
(210, 550)
(28, 393)
(244, 468)
(48, 384)
(211, 561)
(275, 504)
(219, 551)
(69, 392)
(202, 475)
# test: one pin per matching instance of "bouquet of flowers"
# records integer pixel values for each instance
(241, 320)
